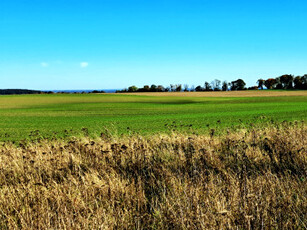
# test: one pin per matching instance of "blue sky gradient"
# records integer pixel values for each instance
(107, 44)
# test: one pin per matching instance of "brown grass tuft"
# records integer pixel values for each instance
(253, 179)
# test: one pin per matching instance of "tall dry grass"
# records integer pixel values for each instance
(246, 180)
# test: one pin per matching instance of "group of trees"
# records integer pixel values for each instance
(218, 85)
(286, 81)
(27, 91)
(153, 88)
(18, 91)
(215, 85)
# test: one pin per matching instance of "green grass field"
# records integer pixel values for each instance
(35, 116)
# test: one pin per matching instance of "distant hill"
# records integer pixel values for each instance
(18, 91)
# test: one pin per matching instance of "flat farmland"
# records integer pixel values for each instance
(66, 115)
(244, 93)
(175, 160)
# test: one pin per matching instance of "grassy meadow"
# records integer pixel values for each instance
(154, 161)
(60, 116)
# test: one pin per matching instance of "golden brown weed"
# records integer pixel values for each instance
(250, 180)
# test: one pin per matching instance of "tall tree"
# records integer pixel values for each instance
(153, 88)
(160, 88)
(260, 83)
(278, 84)
(146, 88)
(287, 81)
(172, 88)
(216, 85)
(199, 88)
(224, 86)
(207, 86)
(132, 88)
(270, 83)
(304, 81)
(238, 85)
(298, 83)
(178, 88)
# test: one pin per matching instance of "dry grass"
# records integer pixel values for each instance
(249, 180)
(245, 93)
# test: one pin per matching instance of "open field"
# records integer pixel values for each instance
(254, 179)
(161, 162)
(244, 93)
(61, 116)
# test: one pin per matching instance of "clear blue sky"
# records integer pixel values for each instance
(105, 44)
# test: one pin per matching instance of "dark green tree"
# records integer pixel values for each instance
(146, 88)
(216, 85)
(304, 82)
(270, 83)
(278, 84)
(132, 88)
(199, 88)
(153, 88)
(207, 86)
(178, 88)
(260, 83)
(298, 83)
(287, 81)
(160, 88)
(224, 86)
(238, 85)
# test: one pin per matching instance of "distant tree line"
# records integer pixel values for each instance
(18, 91)
(286, 81)
(27, 91)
